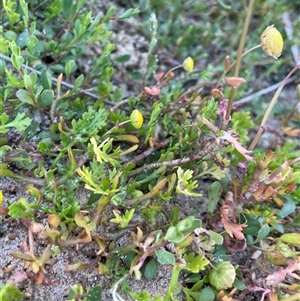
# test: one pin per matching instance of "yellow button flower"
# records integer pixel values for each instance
(136, 119)
(271, 42)
(188, 64)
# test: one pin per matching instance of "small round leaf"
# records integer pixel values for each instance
(46, 98)
(207, 294)
(223, 277)
(95, 294)
(151, 269)
(165, 257)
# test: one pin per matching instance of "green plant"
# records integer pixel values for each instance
(134, 155)
(77, 293)
(9, 291)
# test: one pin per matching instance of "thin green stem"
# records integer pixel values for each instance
(238, 61)
(270, 108)
(115, 127)
(173, 282)
(233, 64)
(171, 70)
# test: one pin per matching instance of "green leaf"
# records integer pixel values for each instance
(253, 226)
(153, 120)
(165, 257)
(58, 68)
(111, 11)
(223, 5)
(210, 109)
(46, 98)
(207, 294)
(195, 264)
(12, 80)
(46, 79)
(140, 296)
(223, 276)
(189, 224)
(277, 227)
(67, 7)
(199, 283)
(22, 40)
(118, 198)
(94, 294)
(2, 66)
(290, 238)
(4, 118)
(76, 290)
(128, 258)
(129, 13)
(173, 235)
(122, 58)
(239, 285)
(78, 82)
(9, 292)
(101, 151)
(288, 207)
(80, 220)
(27, 81)
(20, 123)
(17, 61)
(4, 171)
(123, 221)
(3, 151)
(90, 123)
(185, 183)
(262, 233)
(24, 7)
(15, 49)
(70, 67)
(25, 97)
(87, 177)
(31, 45)
(20, 209)
(78, 30)
(214, 196)
(107, 74)
(177, 233)
(10, 8)
(151, 269)
(216, 237)
(93, 198)
(241, 123)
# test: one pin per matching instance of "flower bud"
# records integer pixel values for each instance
(188, 64)
(271, 42)
(136, 119)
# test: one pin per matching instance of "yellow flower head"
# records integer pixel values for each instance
(271, 42)
(136, 119)
(188, 64)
